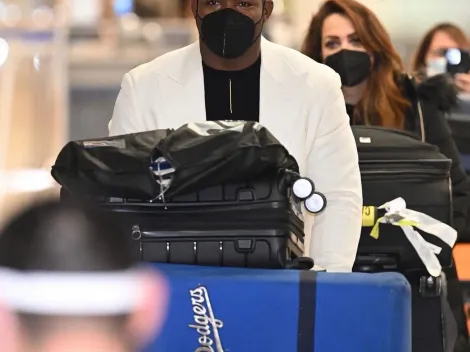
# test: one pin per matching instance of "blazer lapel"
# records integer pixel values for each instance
(279, 107)
(185, 98)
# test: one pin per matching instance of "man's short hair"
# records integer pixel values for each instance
(60, 237)
(55, 236)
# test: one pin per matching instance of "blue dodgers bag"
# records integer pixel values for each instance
(250, 310)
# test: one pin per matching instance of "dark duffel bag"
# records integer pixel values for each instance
(201, 155)
(395, 164)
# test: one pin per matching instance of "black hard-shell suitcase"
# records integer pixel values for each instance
(253, 224)
(210, 193)
(395, 164)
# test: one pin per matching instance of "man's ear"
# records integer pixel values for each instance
(146, 321)
(268, 9)
(10, 328)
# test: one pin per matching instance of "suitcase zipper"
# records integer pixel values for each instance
(189, 226)
(400, 173)
(196, 226)
(414, 166)
(416, 147)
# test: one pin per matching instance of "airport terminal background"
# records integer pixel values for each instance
(62, 62)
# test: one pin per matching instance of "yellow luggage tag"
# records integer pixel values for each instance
(392, 219)
(369, 216)
(398, 215)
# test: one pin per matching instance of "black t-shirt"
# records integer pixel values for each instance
(232, 95)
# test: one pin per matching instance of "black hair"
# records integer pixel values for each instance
(55, 236)
(58, 237)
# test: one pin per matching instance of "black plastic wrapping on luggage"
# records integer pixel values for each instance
(203, 155)
(111, 167)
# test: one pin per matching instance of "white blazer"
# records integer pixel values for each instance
(301, 104)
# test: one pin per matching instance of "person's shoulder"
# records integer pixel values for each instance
(318, 75)
(422, 106)
(162, 64)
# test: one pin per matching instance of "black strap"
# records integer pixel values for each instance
(411, 89)
(307, 302)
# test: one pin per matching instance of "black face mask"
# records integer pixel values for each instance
(228, 33)
(352, 66)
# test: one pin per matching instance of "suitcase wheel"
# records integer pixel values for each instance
(316, 203)
(303, 188)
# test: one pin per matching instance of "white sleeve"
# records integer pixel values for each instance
(332, 164)
(126, 116)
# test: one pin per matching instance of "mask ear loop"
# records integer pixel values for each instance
(198, 18)
(257, 23)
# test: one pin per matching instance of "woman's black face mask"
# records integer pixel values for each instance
(228, 33)
(352, 66)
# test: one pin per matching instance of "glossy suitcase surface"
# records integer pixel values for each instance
(252, 224)
(248, 310)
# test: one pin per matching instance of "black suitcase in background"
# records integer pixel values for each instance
(254, 224)
(395, 164)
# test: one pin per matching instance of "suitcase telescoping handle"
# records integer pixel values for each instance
(303, 189)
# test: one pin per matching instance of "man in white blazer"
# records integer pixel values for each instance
(233, 73)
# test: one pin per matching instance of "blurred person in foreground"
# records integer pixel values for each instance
(430, 61)
(68, 283)
(233, 73)
(349, 38)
